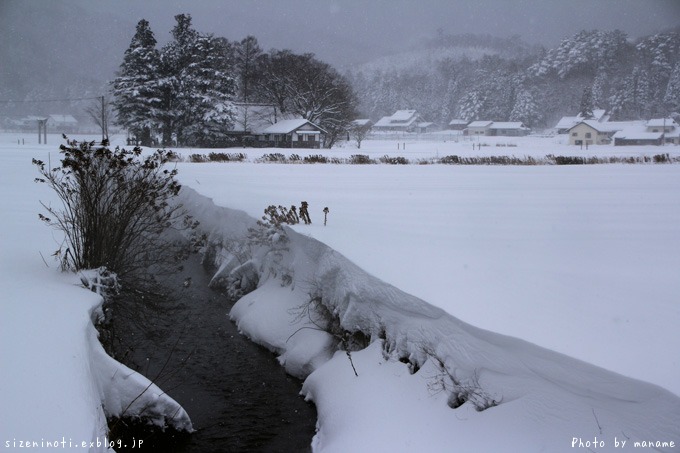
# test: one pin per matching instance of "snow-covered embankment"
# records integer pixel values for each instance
(426, 379)
(58, 384)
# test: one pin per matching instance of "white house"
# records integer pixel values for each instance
(493, 128)
(670, 129)
(654, 132)
(424, 126)
(511, 128)
(62, 123)
(567, 122)
(457, 124)
(400, 121)
(251, 118)
(590, 132)
(362, 123)
(294, 133)
(479, 127)
(637, 136)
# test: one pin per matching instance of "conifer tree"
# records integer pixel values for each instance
(586, 107)
(198, 86)
(136, 90)
(672, 97)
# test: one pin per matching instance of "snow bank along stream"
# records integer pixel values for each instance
(424, 371)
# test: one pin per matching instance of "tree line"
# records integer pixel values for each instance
(184, 92)
(631, 79)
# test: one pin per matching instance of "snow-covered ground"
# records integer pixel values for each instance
(55, 376)
(582, 260)
(579, 259)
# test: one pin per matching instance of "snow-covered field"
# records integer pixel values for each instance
(582, 260)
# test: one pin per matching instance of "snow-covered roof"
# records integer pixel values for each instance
(403, 115)
(400, 118)
(254, 118)
(384, 121)
(613, 126)
(609, 126)
(508, 125)
(634, 134)
(567, 122)
(480, 124)
(63, 119)
(33, 118)
(598, 114)
(662, 122)
(288, 126)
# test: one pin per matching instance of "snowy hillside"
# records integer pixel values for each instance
(423, 58)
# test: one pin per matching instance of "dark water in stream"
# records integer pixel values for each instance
(238, 397)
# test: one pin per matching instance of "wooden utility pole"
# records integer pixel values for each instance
(42, 129)
(105, 126)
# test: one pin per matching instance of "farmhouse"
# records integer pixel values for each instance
(601, 131)
(400, 121)
(590, 132)
(567, 122)
(293, 133)
(511, 129)
(494, 128)
(457, 125)
(479, 127)
(62, 123)
(655, 132)
(361, 124)
(632, 136)
(670, 129)
(424, 127)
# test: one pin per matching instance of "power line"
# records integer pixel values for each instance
(3, 101)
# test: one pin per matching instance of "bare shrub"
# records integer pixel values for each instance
(117, 209)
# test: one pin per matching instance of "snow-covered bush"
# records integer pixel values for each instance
(116, 206)
(360, 159)
(100, 281)
(315, 159)
(272, 157)
(400, 160)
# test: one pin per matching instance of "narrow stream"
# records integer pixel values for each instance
(238, 397)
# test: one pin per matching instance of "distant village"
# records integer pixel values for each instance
(262, 125)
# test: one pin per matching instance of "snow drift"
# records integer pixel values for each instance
(426, 378)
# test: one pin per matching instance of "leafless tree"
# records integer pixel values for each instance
(101, 112)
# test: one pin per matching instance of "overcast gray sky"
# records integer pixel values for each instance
(52, 47)
(344, 31)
